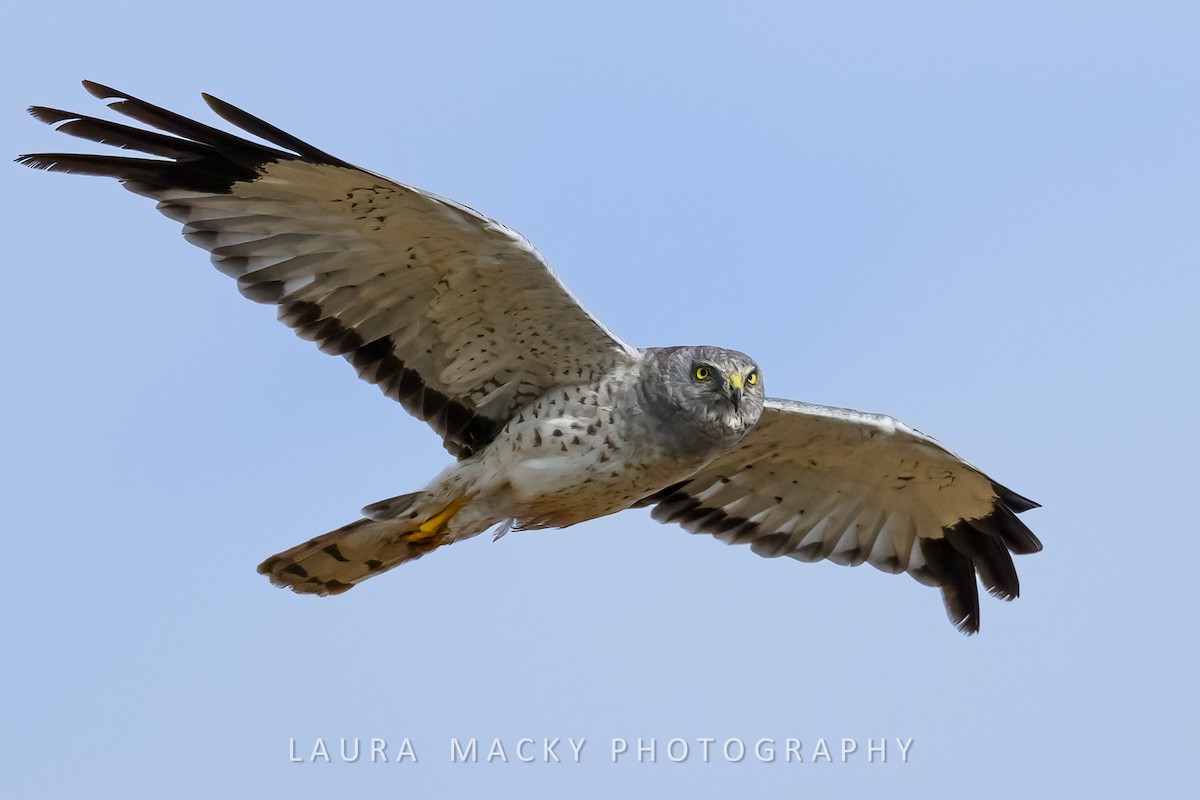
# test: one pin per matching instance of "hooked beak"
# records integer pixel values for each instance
(734, 388)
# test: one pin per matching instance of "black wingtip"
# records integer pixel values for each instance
(955, 574)
(100, 91)
(989, 557)
(189, 154)
(50, 116)
(1016, 502)
(269, 133)
(31, 160)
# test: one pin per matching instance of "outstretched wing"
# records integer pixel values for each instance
(814, 482)
(453, 315)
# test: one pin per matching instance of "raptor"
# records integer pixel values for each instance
(551, 419)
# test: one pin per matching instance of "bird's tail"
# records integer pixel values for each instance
(337, 561)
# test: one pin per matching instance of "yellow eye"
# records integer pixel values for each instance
(702, 373)
(752, 378)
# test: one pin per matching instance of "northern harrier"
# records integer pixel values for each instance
(553, 420)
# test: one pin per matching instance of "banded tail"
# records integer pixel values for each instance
(337, 561)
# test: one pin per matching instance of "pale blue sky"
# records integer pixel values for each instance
(981, 218)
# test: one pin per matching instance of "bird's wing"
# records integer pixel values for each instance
(453, 315)
(814, 482)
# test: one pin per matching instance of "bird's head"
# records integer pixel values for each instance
(721, 389)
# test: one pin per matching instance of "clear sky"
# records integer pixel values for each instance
(981, 218)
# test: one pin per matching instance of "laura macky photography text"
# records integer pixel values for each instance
(615, 750)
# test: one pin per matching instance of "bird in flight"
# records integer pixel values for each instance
(552, 419)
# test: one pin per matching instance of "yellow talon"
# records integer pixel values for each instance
(436, 524)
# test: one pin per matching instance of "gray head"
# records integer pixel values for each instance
(718, 392)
